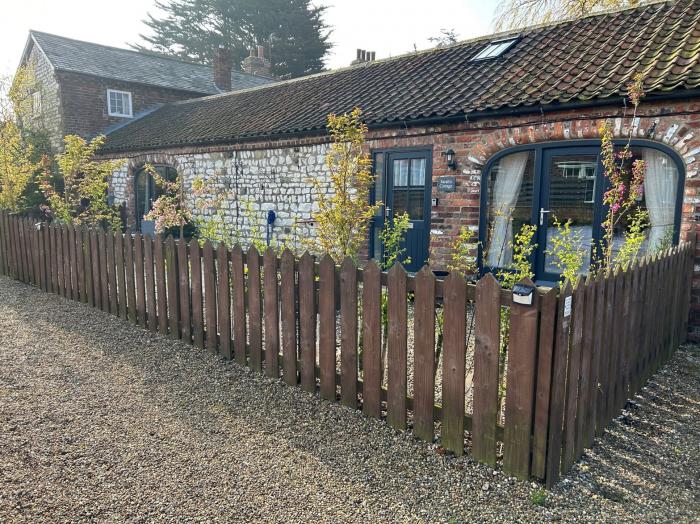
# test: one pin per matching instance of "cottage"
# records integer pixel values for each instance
(87, 89)
(489, 133)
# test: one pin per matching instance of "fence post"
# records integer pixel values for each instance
(209, 272)
(326, 326)
(197, 299)
(548, 318)
(520, 387)
(558, 388)
(140, 281)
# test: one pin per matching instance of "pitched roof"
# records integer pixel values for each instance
(66, 54)
(592, 58)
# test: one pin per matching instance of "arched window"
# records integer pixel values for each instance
(147, 191)
(534, 184)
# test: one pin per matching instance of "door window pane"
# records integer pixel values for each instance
(401, 172)
(379, 195)
(570, 199)
(418, 171)
(510, 186)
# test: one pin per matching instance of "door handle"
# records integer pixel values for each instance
(543, 212)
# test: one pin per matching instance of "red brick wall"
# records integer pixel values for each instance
(84, 101)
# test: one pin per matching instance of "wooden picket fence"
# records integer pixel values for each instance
(573, 359)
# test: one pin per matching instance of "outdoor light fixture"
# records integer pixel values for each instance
(451, 162)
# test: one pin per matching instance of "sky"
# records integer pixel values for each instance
(388, 27)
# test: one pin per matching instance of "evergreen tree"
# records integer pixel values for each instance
(292, 31)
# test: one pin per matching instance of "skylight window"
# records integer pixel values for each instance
(494, 49)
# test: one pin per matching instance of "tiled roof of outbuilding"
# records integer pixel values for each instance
(66, 54)
(591, 58)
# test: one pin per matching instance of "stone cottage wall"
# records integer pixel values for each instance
(258, 181)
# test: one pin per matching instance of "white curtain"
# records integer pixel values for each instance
(505, 195)
(660, 185)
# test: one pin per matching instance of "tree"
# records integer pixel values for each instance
(513, 14)
(19, 157)
(293, 31)
(343, 215)
(84, 196)
(445, 38)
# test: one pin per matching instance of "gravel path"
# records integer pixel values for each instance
(102, 421)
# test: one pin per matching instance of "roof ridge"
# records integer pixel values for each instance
(482, 38)
(140, 53)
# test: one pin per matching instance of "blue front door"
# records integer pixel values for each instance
(403, 180)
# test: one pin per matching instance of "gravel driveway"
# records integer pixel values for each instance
(103, 421)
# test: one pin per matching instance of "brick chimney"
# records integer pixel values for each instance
(364, 56)
(256, 63)
(222, 68)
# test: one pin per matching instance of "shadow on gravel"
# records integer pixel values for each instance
(645, 468)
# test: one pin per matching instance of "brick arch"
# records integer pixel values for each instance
(673, 133)
(133, 165)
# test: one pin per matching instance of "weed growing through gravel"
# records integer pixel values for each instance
(538, 497)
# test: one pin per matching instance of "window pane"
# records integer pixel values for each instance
(510, 186)
(379, 195)
(401, 172)
(400, 202)
(418, 171)
(415, 204)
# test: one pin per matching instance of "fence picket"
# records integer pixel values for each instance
(150, 284)
(161, 293)
(548, 318)
(183, 267)
(271, 307)
(118, 241)
(371, 340)
(486, 351)
(111, 274)
(140, 286)
(238, 303)
(520, 380)
(197, 298)
(254, 308)
(424, 355)
(131, 279)
(307, 323)
(397, 365)
(584, 392)
(288, 309)
(104, 263)
(171, 284)
(223, 296)
(209, 273)
(573, 376)
(326, 321)
(348, 333)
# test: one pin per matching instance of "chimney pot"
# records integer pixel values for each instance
(222, 68)
(252, 52)
(261, 51)
(359, 55)
(257, 64)
(374, 56)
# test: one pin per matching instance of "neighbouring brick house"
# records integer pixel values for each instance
(86, 88)
(490, 133)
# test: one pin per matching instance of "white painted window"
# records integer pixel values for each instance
(119, 103)
(36, 103)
